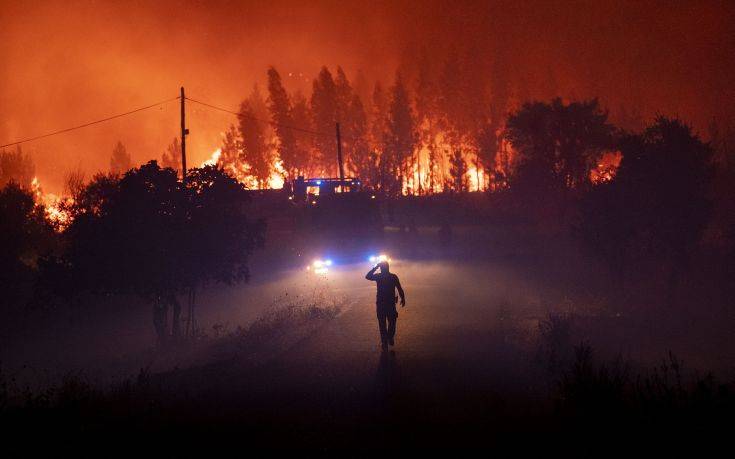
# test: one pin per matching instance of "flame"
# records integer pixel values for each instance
(606, 168)
(213, 159)
(275, 181)
(55, 207)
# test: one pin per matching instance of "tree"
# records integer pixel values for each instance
(399, 138)
(145, 234)
(559, 143)
(358, 150)
(659, 202)
(255, 151)
(324, 116)
(488, 147)
(24, 229)
(171, 157)
(16, 167)
(378, 126)
(458, 172)
(231, 154)
(304, 141)
(426, 100)
(279, 105)
(344, 96)
(120, 160)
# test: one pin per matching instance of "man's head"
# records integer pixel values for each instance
(384, 268)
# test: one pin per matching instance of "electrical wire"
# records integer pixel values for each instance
(260, 120)
(61, 131)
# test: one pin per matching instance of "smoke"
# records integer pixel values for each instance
(66, 63)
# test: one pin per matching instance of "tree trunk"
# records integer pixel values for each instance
(176, 319)
(159, 320)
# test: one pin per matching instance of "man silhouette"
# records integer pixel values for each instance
(385, 301)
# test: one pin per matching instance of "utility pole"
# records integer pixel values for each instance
(184, 133)
(339, 156)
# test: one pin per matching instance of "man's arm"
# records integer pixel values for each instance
(371, 274)
(400, 292)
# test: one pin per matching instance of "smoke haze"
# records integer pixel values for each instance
(67, 63)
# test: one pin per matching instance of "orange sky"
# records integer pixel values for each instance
(66, 63)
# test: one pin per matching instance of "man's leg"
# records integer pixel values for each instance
(381, 326)
(392, 319)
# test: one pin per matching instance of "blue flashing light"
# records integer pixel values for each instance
(318, 182)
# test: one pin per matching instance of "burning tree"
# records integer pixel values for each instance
(16, 167)
(399, 139)
(255, 149)
(279, 105)
(171, 157)
(120, 160)
(323, 106)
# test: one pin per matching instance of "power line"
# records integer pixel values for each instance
(61, 131)
(258, 119)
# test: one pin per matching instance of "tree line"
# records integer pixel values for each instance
(140, 230)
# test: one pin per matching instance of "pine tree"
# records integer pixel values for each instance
(301, 117)
(358, 156)
(324, 113)
(255, 148)
(279, 105)
(458, 172)
(120, 161)
(400, 136)
(426, 118)
(16, 167)
(231, 154)
(171, 157)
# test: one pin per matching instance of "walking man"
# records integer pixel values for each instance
(385, 301)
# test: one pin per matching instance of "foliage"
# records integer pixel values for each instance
(120, 161)
(558, 143)
(16, 167)
(24, 231)
(255, 150)
(659, 202)
(145, 234)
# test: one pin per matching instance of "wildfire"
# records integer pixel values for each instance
(214, 159)
(54, 206)
(275, 180)
(606, 167)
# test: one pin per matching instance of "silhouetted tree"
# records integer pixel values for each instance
(16, 167)
(324, 115)
(488, 147)
(399, 138)
(458, 172)
(559, 143)
(144, 234)
(24, 229)
(378, 126)
(659, 202)
(357, 148)
(171, 157)
(426, 103)
(231, 154)
(254, 137)
(279, 105)
(301, 117)
(120, 160)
